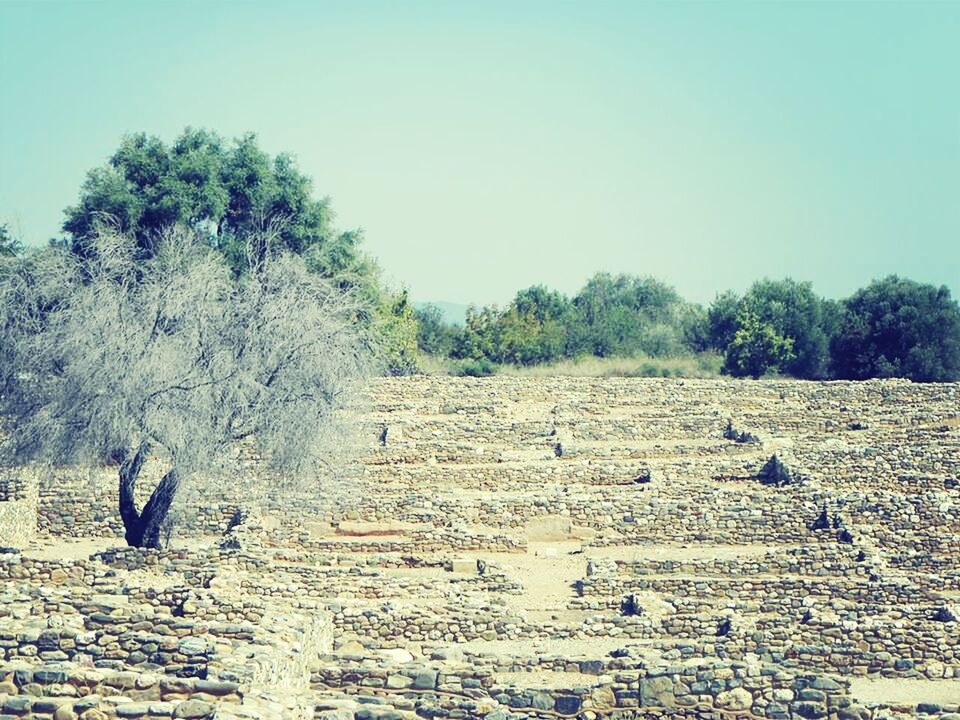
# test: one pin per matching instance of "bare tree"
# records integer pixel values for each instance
(111, 357)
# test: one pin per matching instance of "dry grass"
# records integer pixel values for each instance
(703, 365)
(692, 366)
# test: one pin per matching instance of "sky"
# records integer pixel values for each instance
(485, 147)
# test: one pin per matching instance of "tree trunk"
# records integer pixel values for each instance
(156, 510)
(142, 528)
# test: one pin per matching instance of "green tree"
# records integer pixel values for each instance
(796, 312)
(897, 327)
(245, 204)
(225, 191)
(9, 245)
(479, 337)
(722, 320)
(434, 335)
(625, 315)
(756, 348)
(535, 327)
(793, 310)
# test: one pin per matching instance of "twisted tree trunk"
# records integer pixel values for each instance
(142, 528)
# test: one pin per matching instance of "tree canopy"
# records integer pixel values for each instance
(792, 310)
(224, 191)
(756, 347)
(106, 355)
(229, 193)
(893, 328)
(896, 327)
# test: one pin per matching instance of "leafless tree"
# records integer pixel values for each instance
(112, 357)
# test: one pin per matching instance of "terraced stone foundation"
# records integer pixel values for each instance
(526, 548)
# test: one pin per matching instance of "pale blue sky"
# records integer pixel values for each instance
(488, 146)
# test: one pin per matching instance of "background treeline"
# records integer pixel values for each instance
(230, 193)
(894, 327)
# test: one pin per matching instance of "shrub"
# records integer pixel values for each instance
(475, 368)
(898, 328)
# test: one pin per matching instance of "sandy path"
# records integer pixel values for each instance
(901, 690)
(547, 571)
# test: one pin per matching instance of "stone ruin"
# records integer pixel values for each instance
(522, 549)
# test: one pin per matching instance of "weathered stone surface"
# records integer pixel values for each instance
(657, 692)
(193, 709)
(735, 699)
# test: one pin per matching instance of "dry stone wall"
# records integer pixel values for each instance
(512, 548)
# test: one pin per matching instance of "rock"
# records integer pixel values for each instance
(567, 704)
(602, 698)
(775, 472)
(947, 613)
(822, 682)
(193, 646)
(739, 436)
(822, 521)
(193, 709)
(463, 565)
(65, 712)
(541, 700)
(397, 655)
(18, 704)
(48, 677)
(132, 710)
(810, 710)
(339, 714)
(657, 692)
(643, 476)
(425, 680)
(735, 699)
(378, 713)
(215, 687)
(362, 528)
(93, 714)
(398, 682)
(854, 712)
(352, 647)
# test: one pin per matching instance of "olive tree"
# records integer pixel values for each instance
(107, 356)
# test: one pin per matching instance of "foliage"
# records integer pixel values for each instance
(792, 310)
(434, 335)
(756, 348)
(479, 336)
(796, 312)
(224, 191)
(245, 204)
(532, 329)
(9, 245)
(394, 322)
(892, 328)
(899, 328)
(474, 368)
(612, 316)
(624, 315)
(722, 320)
(106, 355)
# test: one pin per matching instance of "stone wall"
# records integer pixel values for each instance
(56, 691)
(607, 689)
(18, 509)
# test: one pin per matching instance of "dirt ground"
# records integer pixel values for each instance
(903, 690)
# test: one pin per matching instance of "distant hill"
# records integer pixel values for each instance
(454, 313)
